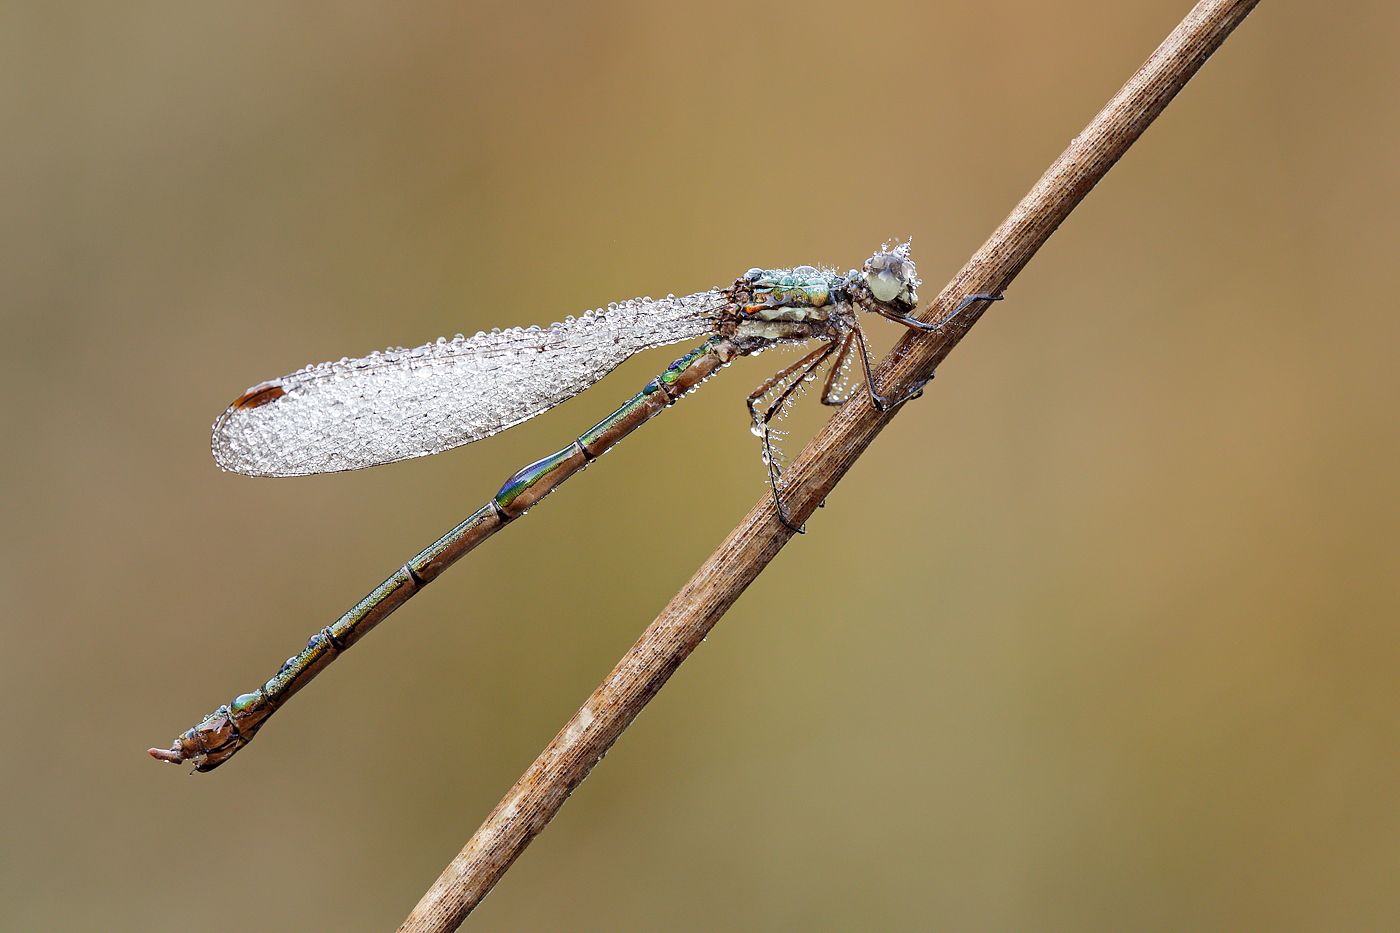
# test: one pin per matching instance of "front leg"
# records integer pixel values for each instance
(917, 389)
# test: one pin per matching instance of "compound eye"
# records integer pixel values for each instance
(885, 285)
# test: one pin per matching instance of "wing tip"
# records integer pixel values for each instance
(259, 395)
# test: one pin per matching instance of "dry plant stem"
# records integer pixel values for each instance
(539, 794)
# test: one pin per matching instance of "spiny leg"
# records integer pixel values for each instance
(831, 395)
(799, 373)
(836, 376)
(879, 401)
(916, 324)
(967, 300)
(883, 404)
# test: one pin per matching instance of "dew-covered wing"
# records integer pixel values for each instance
(408, 403)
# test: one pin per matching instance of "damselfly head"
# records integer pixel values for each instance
(891, 277)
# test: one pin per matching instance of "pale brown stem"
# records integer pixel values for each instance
(539, 794)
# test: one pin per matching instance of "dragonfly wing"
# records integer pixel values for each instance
(409, 403)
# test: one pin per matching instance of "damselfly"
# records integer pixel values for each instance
(408, 403)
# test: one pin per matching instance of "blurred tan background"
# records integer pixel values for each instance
(1101, 636)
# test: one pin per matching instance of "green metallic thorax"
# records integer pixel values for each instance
(789, 295)
(789, 304)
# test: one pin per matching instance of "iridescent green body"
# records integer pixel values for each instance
(794, 292)
(760, 309)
